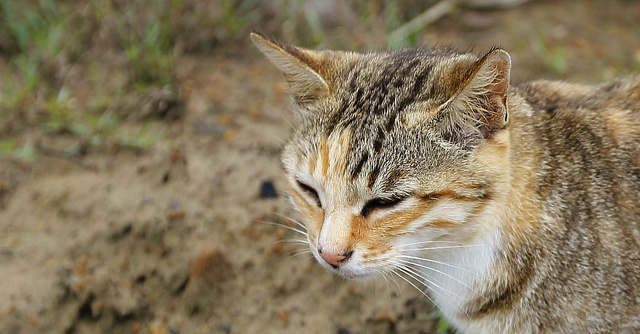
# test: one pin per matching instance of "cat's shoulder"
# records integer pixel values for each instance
(544, 94)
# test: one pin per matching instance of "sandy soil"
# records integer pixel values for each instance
(176, 239)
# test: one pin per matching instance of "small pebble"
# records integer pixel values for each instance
(174, 204)
(146, 199)
(212, 264)
(268, 190)
(283, 315)
(225, 327)
(343, 331)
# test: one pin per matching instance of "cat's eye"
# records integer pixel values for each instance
(380, 203)
(311, 192)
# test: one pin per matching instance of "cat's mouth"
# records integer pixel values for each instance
(355, 276)
(352, 274)
(351, 269)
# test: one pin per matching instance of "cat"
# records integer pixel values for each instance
(516, 206)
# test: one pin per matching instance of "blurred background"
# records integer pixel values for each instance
(140, 187)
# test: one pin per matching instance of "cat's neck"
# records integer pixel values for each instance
(475, 279)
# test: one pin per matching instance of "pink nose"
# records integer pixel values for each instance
(334, 260)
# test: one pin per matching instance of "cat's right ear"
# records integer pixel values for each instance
(299, 66)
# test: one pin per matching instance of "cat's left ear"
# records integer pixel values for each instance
(480, 107)
(301, 68)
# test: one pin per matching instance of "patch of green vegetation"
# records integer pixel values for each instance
(405, 33)
(37, 93)
(553, 57)
(636, 60)
(37, 30)
(317, 35)
(442, 326)
(9, 149)
(140, 139)
(37, 35)
(237, 16)
(147, 41)
(88, 70)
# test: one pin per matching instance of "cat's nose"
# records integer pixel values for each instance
(335, 260)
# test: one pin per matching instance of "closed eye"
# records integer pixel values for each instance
(380, 203)
(311, 192)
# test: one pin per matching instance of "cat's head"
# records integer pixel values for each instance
(392, 152)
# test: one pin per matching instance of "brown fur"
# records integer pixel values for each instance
(519, 205)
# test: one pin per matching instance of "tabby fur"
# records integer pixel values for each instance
(517, 206)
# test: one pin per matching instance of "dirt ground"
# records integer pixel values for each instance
(176, 238)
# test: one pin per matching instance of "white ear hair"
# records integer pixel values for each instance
(305, 84)
(480, 107)
(490, 83)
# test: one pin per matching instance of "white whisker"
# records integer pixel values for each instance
(441, 247)
(413, 285)
(388, 277)
(415, 274)
(430, 242)
(418, 277)
(300, 252)
(442, 273)
(402, 256)
(291, 228)
(450, 265)
(295, 241)
(301, 225)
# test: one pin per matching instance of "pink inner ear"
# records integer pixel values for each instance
(497, 98)
(500, 83)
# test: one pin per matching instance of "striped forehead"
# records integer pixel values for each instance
(378, 87)
(372, 95)
(362, 125)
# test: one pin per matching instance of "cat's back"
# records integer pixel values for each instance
(591, 133)
(588, 149)
(610, 110)
(587, 143)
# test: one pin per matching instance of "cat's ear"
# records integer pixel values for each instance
(479, 109)
(300, 68)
